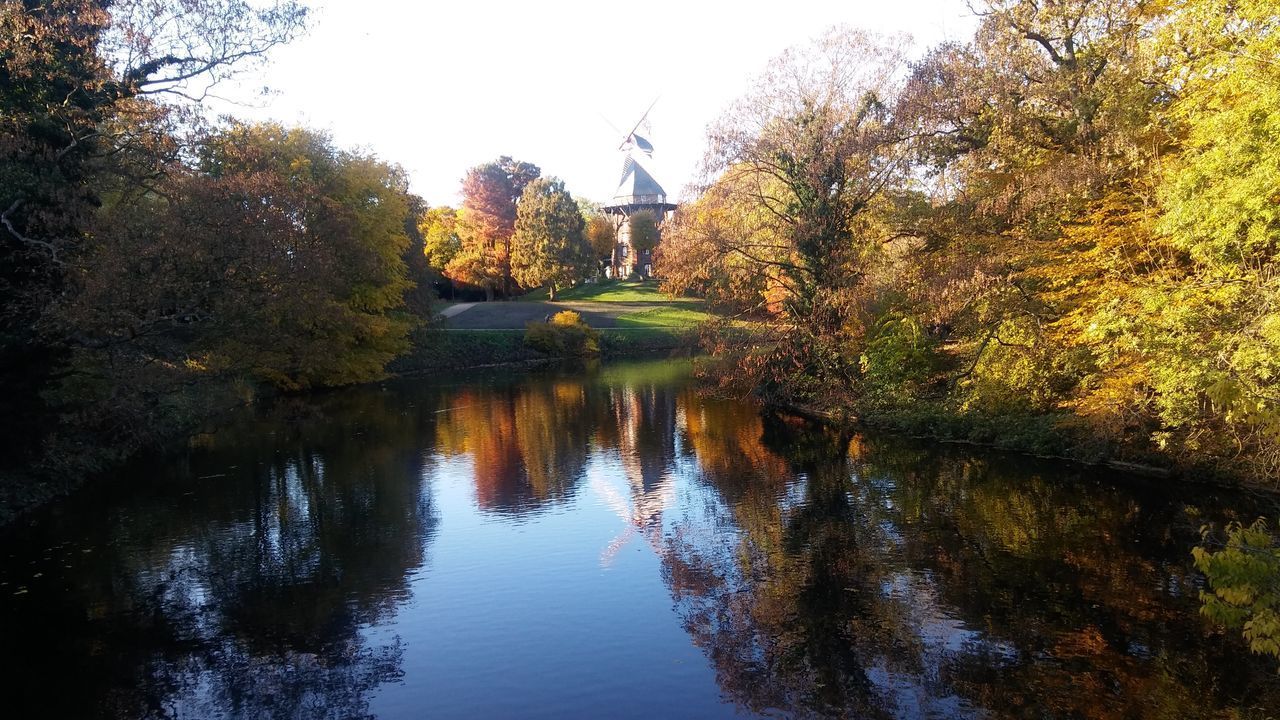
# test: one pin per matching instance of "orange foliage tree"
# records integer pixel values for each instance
(488, 222)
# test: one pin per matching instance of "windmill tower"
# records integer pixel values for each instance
(637, 191)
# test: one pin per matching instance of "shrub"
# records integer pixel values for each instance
(566, 335)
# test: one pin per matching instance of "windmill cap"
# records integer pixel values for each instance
(638, 187)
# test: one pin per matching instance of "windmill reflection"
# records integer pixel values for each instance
(646, 419)
(268, 572)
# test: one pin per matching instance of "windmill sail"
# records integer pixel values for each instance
(642, 144)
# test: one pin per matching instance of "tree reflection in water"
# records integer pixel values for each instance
(842, 576)
(266, 572)
(529, 442)
(249, 600)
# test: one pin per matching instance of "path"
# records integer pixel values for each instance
(455, 309)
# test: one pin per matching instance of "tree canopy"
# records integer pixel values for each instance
(488, 221)
(1061, 236)
(602, 235)
(92, 95)
(549, 246)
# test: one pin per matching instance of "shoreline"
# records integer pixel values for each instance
(21, 495)
(1182, 476)
(28, 491)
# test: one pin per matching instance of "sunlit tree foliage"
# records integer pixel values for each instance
(488, 222)
(549, 247)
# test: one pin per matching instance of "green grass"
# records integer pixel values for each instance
(677, 316)
(609, 291)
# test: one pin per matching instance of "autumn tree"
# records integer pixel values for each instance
(1244, 577)
(441, 242)
(642, 227)
(1217, 199)
(86, 121)
(281, 258)
(809, 153)
(352, 210)
(1215, 331)
(1067, 217)
(489, 196)
(727, 249)
(420, 291)
(602, 236)
(815, 144)
(1046, 154)
(549, 246)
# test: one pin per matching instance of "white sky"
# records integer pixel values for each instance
(439, 87)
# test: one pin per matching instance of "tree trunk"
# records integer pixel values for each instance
(552, 293)
(488, 292)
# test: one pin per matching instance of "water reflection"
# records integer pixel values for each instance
(893, 581)
(287, 567)
(529, 442)
(236, 580)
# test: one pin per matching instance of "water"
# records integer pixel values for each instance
(609, 542)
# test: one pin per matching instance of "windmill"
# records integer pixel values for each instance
(637, 191)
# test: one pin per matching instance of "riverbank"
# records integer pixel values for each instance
(445, 349)
(633, 318)
(434, 349)
(1060, 435)
(1046, 437)
(987, 438)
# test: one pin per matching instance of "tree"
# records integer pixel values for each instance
(439, 227)
(1245, 578)
(549, 247)
(643, 229)
(808, 156)
(815, 145)
(81, 80)
(54, 94)
(419, 273)
(489, 196)
(1216, 338)
(280, 258)
(1218, 206)
(82, 127)
(347, 252)
(723, 248)
(602, 235)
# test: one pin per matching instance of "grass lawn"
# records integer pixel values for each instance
(626, 305)
(674, 316)
(625, 291)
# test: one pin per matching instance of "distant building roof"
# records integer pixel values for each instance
(637, 187)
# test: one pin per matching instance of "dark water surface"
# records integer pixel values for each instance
(609, 543)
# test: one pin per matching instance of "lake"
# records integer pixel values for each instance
(610, 542)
